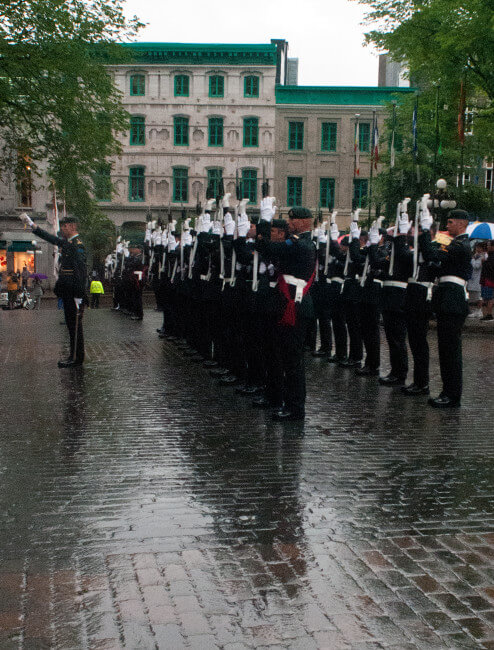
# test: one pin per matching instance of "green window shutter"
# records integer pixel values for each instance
(326, 193)
(136, 184)
(180, 185)
(102, 184)
(251, 86)
(251, 132)
(328, 136)
(215, 177)
(295, 136)
(216, 86)
(249, 185)
(360, 192)
(294, 191)
(215, 131)
(137, 131)
(181, 131)
(137, 85)
(181, 85)
(364, 137)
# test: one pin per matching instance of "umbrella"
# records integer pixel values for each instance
(38, 276)
(481, 230)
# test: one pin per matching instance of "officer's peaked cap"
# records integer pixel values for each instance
(279, 223)
(459, 214)
(69, 220)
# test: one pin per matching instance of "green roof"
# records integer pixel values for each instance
(204, 53)
(339, 95)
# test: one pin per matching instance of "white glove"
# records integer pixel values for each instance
(226, 200)
(206, 222)
(119, 248)
(209, 204)
(187, 224)
(354, 230)
(229, 224)
(334, 232)
(139, 275)
(126, 252)
(172, 225)
(26, 220)
(153, 224)
(217, 229)
(242, 206)
(322, 236)
(268, 210)
(78, 302)
(403, 224)
(243, 225)
(425, 221)
(187, 238)
(374, 234)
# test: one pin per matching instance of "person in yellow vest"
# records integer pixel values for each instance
(96, 290)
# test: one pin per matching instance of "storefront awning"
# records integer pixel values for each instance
(20, 247)
(3, 244)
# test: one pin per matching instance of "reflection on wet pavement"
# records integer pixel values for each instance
(142, 506)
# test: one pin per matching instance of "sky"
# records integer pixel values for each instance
(325, 35)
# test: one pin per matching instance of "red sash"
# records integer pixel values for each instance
(290, 313)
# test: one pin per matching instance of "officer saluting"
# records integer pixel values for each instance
(71, 282)
(449, 300)
(295, 261)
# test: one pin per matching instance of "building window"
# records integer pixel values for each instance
(251, 86)
(326, 193)
(295, 136)
(215, 178)
(180, 185)
(251, 132)
(215, 131)
(360, 191)
(294, 191)
(216, 86)
(137, 85)
(328, 136)
(181, 85)
(137, 131)
(489, 179)
(24, 181)
(363, 136)
(249, 185)
(136, 184)
(181, 131)
(102, 183)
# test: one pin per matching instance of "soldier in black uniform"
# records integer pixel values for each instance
(449, 301)
(71, 283)
(295, 259)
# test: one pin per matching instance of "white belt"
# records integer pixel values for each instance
(378, 281)
(356, 277)
(395, 283)
(427, 285)
(454, 279)
(273, 284)
(299, 285)
(205, 277)
(335, 279)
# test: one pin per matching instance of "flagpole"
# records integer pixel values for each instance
(373, 146)
(461, 129)
(356, 157)
(436, 145)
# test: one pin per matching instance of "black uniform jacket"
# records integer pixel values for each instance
(71, 281)
(453, 260)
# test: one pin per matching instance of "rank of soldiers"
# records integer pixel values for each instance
(247, 298)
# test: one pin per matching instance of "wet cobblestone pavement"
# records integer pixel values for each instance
(141, 506)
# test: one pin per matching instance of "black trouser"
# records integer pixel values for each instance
(369, 328)
(352, 318)
(395, 328)
(417, 328)
(95, 301)
(74, 316)
(449, 328)
(338, 322)
(289, 353)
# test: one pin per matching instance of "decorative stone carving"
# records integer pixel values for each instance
(198, 135)
(197, 191)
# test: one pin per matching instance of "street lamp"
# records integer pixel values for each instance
(440, 203)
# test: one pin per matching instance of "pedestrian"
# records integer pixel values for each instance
(487, 282)
(473, 286)
(12, 289)
(25, 277)
(449, 300)
(71, 282)
(37, 293)
(96, 290)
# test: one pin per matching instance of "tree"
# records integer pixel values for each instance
(58, 104)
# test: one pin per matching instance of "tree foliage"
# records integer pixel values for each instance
(58, 103)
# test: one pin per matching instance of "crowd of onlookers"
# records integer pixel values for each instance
(481, 284)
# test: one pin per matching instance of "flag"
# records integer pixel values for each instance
(461, 114)
(356, 148)
(392, 158)
(414, 129)
(375, 143)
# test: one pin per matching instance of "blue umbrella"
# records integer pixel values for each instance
(481, 230)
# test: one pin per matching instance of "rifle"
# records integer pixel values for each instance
(365, 272)
(331, 221)
(422, 207)
(401, 209)
(347, 261)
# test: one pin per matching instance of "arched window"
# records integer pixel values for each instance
(136, 184)
(251, 132)
(137, 85)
